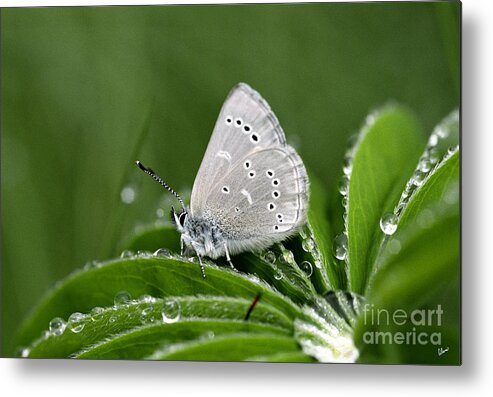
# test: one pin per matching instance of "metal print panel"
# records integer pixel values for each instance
(307, 204)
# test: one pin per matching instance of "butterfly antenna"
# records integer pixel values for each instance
(156, 177)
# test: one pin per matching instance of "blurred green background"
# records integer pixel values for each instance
(86, 91)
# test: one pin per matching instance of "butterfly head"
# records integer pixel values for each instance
(179, 219)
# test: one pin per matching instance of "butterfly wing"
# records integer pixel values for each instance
(262, 200)
(250, 183)
(245, 123)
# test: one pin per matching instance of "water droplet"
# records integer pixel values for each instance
(340, 246)
(318, 263)
(418, 177)
(146, 315)
(394, 246)
(400, 207)
(347, 165)
(122, 298)
(425, 165)
(278, 275)
(269, 257)
(128, 194)
(76, 322)
(91, 264)
(433, 155)
(146, 299)
(344, 185)
(287, 257)
(127, 254)
(162, 253)
(433, 140)
(25, 352)
(307, 268)
(442, 132)
(451, 150)
(171, 310)
(144, 254)
(112, 318)
(344, 202)
(97, 313)
(308, 244)
(57, 326)
(388, 223)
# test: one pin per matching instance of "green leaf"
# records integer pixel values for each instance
(158, 277)
(153, 237)
(87, 134)
(119, 331)
(232, 347)
(383, 160)
(419, 270)
(333, 277)
(280, 272)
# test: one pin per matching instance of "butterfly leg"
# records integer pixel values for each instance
(181, 245)
(228, 258)
(202, 269)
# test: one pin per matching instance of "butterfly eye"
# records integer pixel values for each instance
(182, 218)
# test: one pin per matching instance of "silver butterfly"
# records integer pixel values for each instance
(251, 190)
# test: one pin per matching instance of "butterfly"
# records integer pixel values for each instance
(251, 190)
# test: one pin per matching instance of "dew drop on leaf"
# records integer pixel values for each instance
(76, 322)
(97, 313)
(162, 253)
(340, 246)
(344, 185)
(278, 275)
(171, 310)
(347, 165)
(307, 267)
(388, 223)
(122, 298)
(425, 165)
(57, 326)
(308, 244)
(127, 254)
(269, 257)
(418, 178)
(146, 298)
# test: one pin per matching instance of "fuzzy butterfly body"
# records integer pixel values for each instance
(251, 190)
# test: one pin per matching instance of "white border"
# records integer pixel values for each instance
(131, 378)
